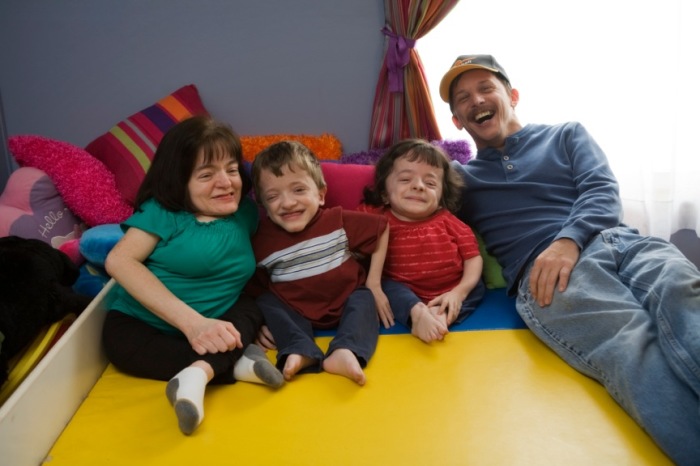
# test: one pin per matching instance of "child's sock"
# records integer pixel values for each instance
(185, 393)
(254, 367)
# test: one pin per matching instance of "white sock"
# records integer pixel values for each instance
(254, 367)
(185, 393)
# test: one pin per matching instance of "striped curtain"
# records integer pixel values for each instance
(402, 104)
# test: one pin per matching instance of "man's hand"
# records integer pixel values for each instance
(552, 266)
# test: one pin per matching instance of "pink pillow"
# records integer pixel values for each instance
(345, 183)
(128, 148)
(85, 184)
(30, 207)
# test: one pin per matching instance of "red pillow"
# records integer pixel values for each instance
(127, 149)
(345, 183)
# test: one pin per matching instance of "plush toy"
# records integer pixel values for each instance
(35, 286)
(30, 207)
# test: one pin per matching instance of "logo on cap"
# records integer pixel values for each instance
(463, 61)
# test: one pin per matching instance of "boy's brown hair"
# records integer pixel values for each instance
(292, 154)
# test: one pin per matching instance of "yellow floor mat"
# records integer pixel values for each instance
(478, 398)
(26, 360)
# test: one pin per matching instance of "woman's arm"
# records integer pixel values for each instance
(125, 263)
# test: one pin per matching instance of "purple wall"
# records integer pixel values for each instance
(71, 69)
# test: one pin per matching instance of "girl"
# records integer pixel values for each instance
(179, 314)
(432, 271)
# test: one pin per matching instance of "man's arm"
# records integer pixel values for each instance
(597, 207)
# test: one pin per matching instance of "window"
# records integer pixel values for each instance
(625, 69)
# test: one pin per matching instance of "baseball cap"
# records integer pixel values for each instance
(465, 63)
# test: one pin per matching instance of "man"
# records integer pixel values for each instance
(619, 307)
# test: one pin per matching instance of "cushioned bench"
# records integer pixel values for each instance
(485, 395)
(491, 393)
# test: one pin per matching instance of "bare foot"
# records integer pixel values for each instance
(343, 362)
(295, 363)
(426, 326)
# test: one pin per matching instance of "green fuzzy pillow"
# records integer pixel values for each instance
(492, 273)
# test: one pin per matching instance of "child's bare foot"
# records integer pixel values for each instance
(344, 362)
(426, 326)
(295, 363)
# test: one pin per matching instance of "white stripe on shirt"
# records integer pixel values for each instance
(309, 258)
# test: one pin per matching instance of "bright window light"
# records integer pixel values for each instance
(626, 69)
(610, 64)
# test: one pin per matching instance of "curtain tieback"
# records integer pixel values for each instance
(397, 57)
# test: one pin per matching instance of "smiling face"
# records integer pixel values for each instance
(484, 107)
(215, 187)
(292, 199)
(413, 189)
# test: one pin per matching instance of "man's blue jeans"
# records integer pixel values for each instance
(630, 318)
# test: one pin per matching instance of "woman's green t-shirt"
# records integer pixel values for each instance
(206, 265)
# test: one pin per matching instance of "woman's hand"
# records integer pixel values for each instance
(213, 336)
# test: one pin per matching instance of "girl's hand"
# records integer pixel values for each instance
(450, 303)
(265, 340)
(213, 336)
(383, 307)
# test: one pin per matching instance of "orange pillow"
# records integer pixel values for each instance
(326, 146)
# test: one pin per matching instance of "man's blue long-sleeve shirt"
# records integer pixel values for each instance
(548, 182)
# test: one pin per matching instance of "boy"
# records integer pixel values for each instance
(307, 259)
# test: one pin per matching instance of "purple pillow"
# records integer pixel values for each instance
(458, 150)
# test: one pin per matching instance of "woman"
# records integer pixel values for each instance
(179, 313)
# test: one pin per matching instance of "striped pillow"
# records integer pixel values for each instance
(127, 149)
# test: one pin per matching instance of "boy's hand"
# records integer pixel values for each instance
(383, 307)
(265, 340)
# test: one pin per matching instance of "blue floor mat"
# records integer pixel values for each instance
(495, 312)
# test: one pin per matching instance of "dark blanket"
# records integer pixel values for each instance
(35, 291)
